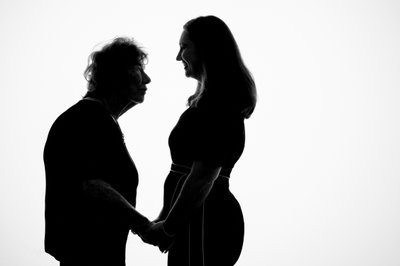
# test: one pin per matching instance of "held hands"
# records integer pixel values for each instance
(155, 235)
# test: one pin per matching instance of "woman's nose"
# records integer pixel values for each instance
(178, 57)
(146, 79)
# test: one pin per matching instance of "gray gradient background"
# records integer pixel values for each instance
(319, 179)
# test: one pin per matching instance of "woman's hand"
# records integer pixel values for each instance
(155, 235)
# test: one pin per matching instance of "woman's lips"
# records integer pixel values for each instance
(142, 90)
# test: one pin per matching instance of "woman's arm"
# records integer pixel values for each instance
(194, 191)
(103, 193)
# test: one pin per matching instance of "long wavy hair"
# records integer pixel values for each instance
(228, 85)
(108, 68)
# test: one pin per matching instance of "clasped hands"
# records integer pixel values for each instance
(154, 234)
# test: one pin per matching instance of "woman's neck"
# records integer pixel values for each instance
(115, 106)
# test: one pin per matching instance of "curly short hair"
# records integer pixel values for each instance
(110, 64)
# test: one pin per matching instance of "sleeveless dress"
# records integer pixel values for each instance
(215, 232)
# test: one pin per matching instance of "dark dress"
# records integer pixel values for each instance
(214, 234)
(86, 143)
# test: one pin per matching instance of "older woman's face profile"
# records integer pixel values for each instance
(136, 87)
(187, 54)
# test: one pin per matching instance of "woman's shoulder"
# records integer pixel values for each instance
(83, 116)
(82, 108)
(214, 120)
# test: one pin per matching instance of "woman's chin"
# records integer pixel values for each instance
(137, 100)
(188, 73)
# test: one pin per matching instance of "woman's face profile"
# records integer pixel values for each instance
(136, 84)
(188, 55)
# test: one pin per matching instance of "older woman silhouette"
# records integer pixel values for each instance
(91, 180)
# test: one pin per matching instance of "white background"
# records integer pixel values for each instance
(319, 179)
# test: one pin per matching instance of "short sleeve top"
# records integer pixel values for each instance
(85, 142)
(201, 135)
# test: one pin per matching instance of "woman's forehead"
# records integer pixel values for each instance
(184, 37)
